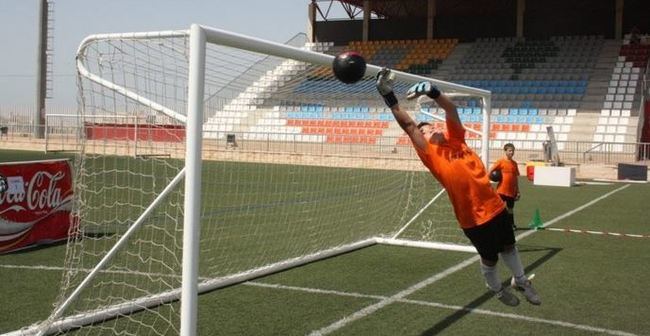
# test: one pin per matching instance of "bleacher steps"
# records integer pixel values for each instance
(448, 66)
(600, 76)
(631, 135)
(583, 127)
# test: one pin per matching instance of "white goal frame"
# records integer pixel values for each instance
(199, 37)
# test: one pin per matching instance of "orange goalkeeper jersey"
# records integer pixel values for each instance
(460, 170)
(509, 174)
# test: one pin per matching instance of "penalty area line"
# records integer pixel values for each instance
(445, 306)
(597, 233)
(434, 278)
(88, 270)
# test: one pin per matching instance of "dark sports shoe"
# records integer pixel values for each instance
(506, 297)
(526, 288)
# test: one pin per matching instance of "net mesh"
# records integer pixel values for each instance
(295, 162)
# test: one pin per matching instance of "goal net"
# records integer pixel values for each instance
(286, 166)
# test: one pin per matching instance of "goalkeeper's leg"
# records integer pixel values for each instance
(485, 239)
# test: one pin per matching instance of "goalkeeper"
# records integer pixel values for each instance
(479, 210)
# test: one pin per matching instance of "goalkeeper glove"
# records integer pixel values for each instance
(385, 80)
(423, 88)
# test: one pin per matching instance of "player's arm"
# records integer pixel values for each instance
(409, 126)
(494, 167)
(517, 193)
(455, 127)
(384, 84)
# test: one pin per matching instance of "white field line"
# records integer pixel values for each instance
(380, 297)
(445, 306)
(399, 297)
(523, 318)
(88, 270)
(601, 233)
(408, 291)
(395, 298)
(580, 208)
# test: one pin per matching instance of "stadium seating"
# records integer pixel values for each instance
(524, 127)
(521, 73)
(636, 53)
(237, 110)
(415, 56)
(535, 84)
(349, 124)
(614, 121)
(355, 123)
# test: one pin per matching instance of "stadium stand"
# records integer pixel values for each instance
(525, 74)
(536, 83)
(240, 110)
(414, 56)
(619, 114)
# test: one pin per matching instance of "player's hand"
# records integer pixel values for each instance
(385, 81)
(517, 196)
(421, 89)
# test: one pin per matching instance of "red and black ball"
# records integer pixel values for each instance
(349, 67)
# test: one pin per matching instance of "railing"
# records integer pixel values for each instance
(67, 137)
(645, 98)
(591, 150)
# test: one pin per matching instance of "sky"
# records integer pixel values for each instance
(275, 20)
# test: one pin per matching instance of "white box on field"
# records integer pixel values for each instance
(555, 176)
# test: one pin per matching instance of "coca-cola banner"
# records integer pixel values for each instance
(35, 207)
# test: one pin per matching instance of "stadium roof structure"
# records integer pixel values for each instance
(390, 8)
(472, 19)
(418, 8)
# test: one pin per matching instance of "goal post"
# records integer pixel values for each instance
(294, 191)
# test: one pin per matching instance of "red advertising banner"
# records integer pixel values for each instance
(35, 208)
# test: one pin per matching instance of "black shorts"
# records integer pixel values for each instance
(492, 237)
(510, 201)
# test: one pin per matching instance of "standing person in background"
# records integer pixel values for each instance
(508, 187)
(480, 212)
(634, 36)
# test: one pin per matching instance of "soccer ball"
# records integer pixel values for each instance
(495, 175)
(349, 67)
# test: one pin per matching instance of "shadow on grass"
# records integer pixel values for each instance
(46, 245)
(451, 319)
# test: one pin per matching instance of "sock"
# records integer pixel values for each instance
(511, 259)
(491, 277)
